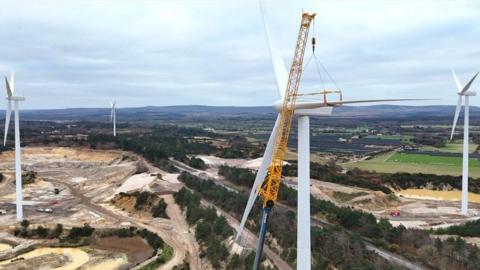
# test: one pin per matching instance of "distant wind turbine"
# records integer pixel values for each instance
(113, 117)
(18, 165)
(463, 92)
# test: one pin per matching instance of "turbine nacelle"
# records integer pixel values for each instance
(468, 93)
(303, 104)
(15, 98)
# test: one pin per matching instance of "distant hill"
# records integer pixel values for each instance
(197, 111)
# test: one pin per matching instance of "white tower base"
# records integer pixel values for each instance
(303, 219)
(114, 123)
(464, 209)
(18, 166)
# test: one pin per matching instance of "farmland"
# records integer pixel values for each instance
(422, 159)
(416, 163)
(402, 138)
(453, 147)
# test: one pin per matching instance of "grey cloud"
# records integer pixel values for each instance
(214, 53)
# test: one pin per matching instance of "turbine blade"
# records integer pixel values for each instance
(457, 82)
(467, 86)
(318, 104)
(377, 100)
(455, 118)
(7, 121)
(279, 68)
(12, 83)
(260, 177)
(9, 88)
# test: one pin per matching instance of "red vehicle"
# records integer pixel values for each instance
(53, 202)
(395, 213)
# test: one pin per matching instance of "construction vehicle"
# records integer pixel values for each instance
(269, 190)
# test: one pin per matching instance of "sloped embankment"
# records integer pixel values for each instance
(142, 203)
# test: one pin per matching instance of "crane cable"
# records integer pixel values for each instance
(319, 64)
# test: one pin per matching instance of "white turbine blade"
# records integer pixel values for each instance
(12, 83)
(455, 118)
(9, 88)
(376, 100)
(111, 114)
(467, 86)
(279, 68)
(260, 177)
(7, 121)
(318, 104)
(457, 82)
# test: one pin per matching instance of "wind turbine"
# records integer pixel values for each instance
(303, 109)
(463, 92)
(18, 165)
(113, 117)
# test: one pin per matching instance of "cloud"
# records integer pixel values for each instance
(84, 53)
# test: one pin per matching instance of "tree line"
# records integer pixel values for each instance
(211, 231)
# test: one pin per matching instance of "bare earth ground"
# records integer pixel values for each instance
(87, 179)
(136, 248)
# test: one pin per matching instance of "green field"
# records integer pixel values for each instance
(421, 159)
(416, 163)
(402, 138)
(453, 147)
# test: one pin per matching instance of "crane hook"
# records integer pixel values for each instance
(313, 44)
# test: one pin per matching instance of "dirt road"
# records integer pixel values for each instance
(250, 239)
(165, 231)
(394, 258)
(181, 227)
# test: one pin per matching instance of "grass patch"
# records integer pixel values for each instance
(402, 138)
(432, 160)
(420, 164)
(165, 256)
(451, 147)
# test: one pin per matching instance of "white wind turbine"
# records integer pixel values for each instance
(304, 109)
(113, 117)
(463, 92)
(18, 164)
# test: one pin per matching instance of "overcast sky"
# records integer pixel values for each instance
(84, 53)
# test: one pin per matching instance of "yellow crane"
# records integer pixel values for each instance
(271, 186)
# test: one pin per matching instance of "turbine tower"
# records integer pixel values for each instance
(18, 164)
(303, 109)
(465, 94)
(113, 117)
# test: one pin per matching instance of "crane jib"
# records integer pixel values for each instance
(271, 186)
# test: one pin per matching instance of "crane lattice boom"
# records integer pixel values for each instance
(270, 188)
